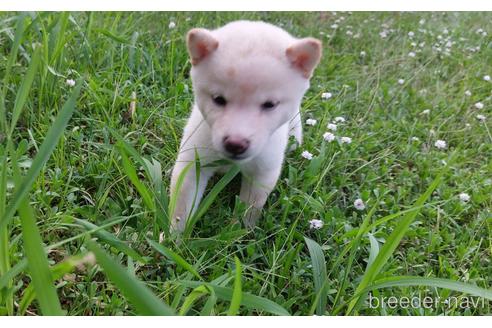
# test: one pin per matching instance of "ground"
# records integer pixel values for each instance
(401, 81)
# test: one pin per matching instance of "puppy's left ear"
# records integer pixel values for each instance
(304, 55)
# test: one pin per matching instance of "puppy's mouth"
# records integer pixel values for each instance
(234, 157)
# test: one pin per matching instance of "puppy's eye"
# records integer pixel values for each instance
(269, 105)
(219, 100)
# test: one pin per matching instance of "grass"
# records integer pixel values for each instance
(84, 171)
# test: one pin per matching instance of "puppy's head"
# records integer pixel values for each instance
(249, 79)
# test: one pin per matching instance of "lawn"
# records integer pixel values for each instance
(92, 107)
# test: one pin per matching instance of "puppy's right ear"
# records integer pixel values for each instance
(200, 44)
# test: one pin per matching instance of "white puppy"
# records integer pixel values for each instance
(248, 80)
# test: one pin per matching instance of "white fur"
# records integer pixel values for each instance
(248, 63)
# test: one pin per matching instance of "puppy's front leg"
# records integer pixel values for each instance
(295, 129)
(254, 192)
(189, 195)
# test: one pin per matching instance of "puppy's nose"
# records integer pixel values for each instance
(235, 146)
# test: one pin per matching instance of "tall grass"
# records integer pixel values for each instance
(121, 215)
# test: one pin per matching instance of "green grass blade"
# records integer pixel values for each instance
(112, 36)
(393, 241)
(47, 147)
(354, 246)
(38, 262)
(154, 173)
(237, 292)
(404, 281)
(25, 88)
(19, 32)
(192, 298)
(248, 300)
(122, 143)
(175, 257)
(59, 38)
(57, 272)
(131, 172)
(319, 273)
(12, 273)
(373, 251)
(4, 236)
(383, 220)
(208, 308)
(110, 239)
(154, 170)
(208, 200)
(145, 302)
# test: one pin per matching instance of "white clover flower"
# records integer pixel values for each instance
(426, 112)
(422, 21)
(334, 26)
(479, 105)
(464, 197)
(171, 25)
(311, 122)
(481, 117)
(359, 204)
(401, 81)
(332, 127)
(383, 34)
(411, 54)
(362, 54)
(70, 82)
(486, 78)
(468, 93)
(346, 140)
(328, 136)
(326, 95)
(415, 139)
(339, 119)
(307, 155)
(440, 144)
(411, 34)
(445, 31)
(413, 44)
(316, 224)
(349, 33)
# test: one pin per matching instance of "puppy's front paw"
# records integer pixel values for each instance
(178, 225)
(251, 217)
(294, 143)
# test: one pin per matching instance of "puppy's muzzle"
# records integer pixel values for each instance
(235, 145)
